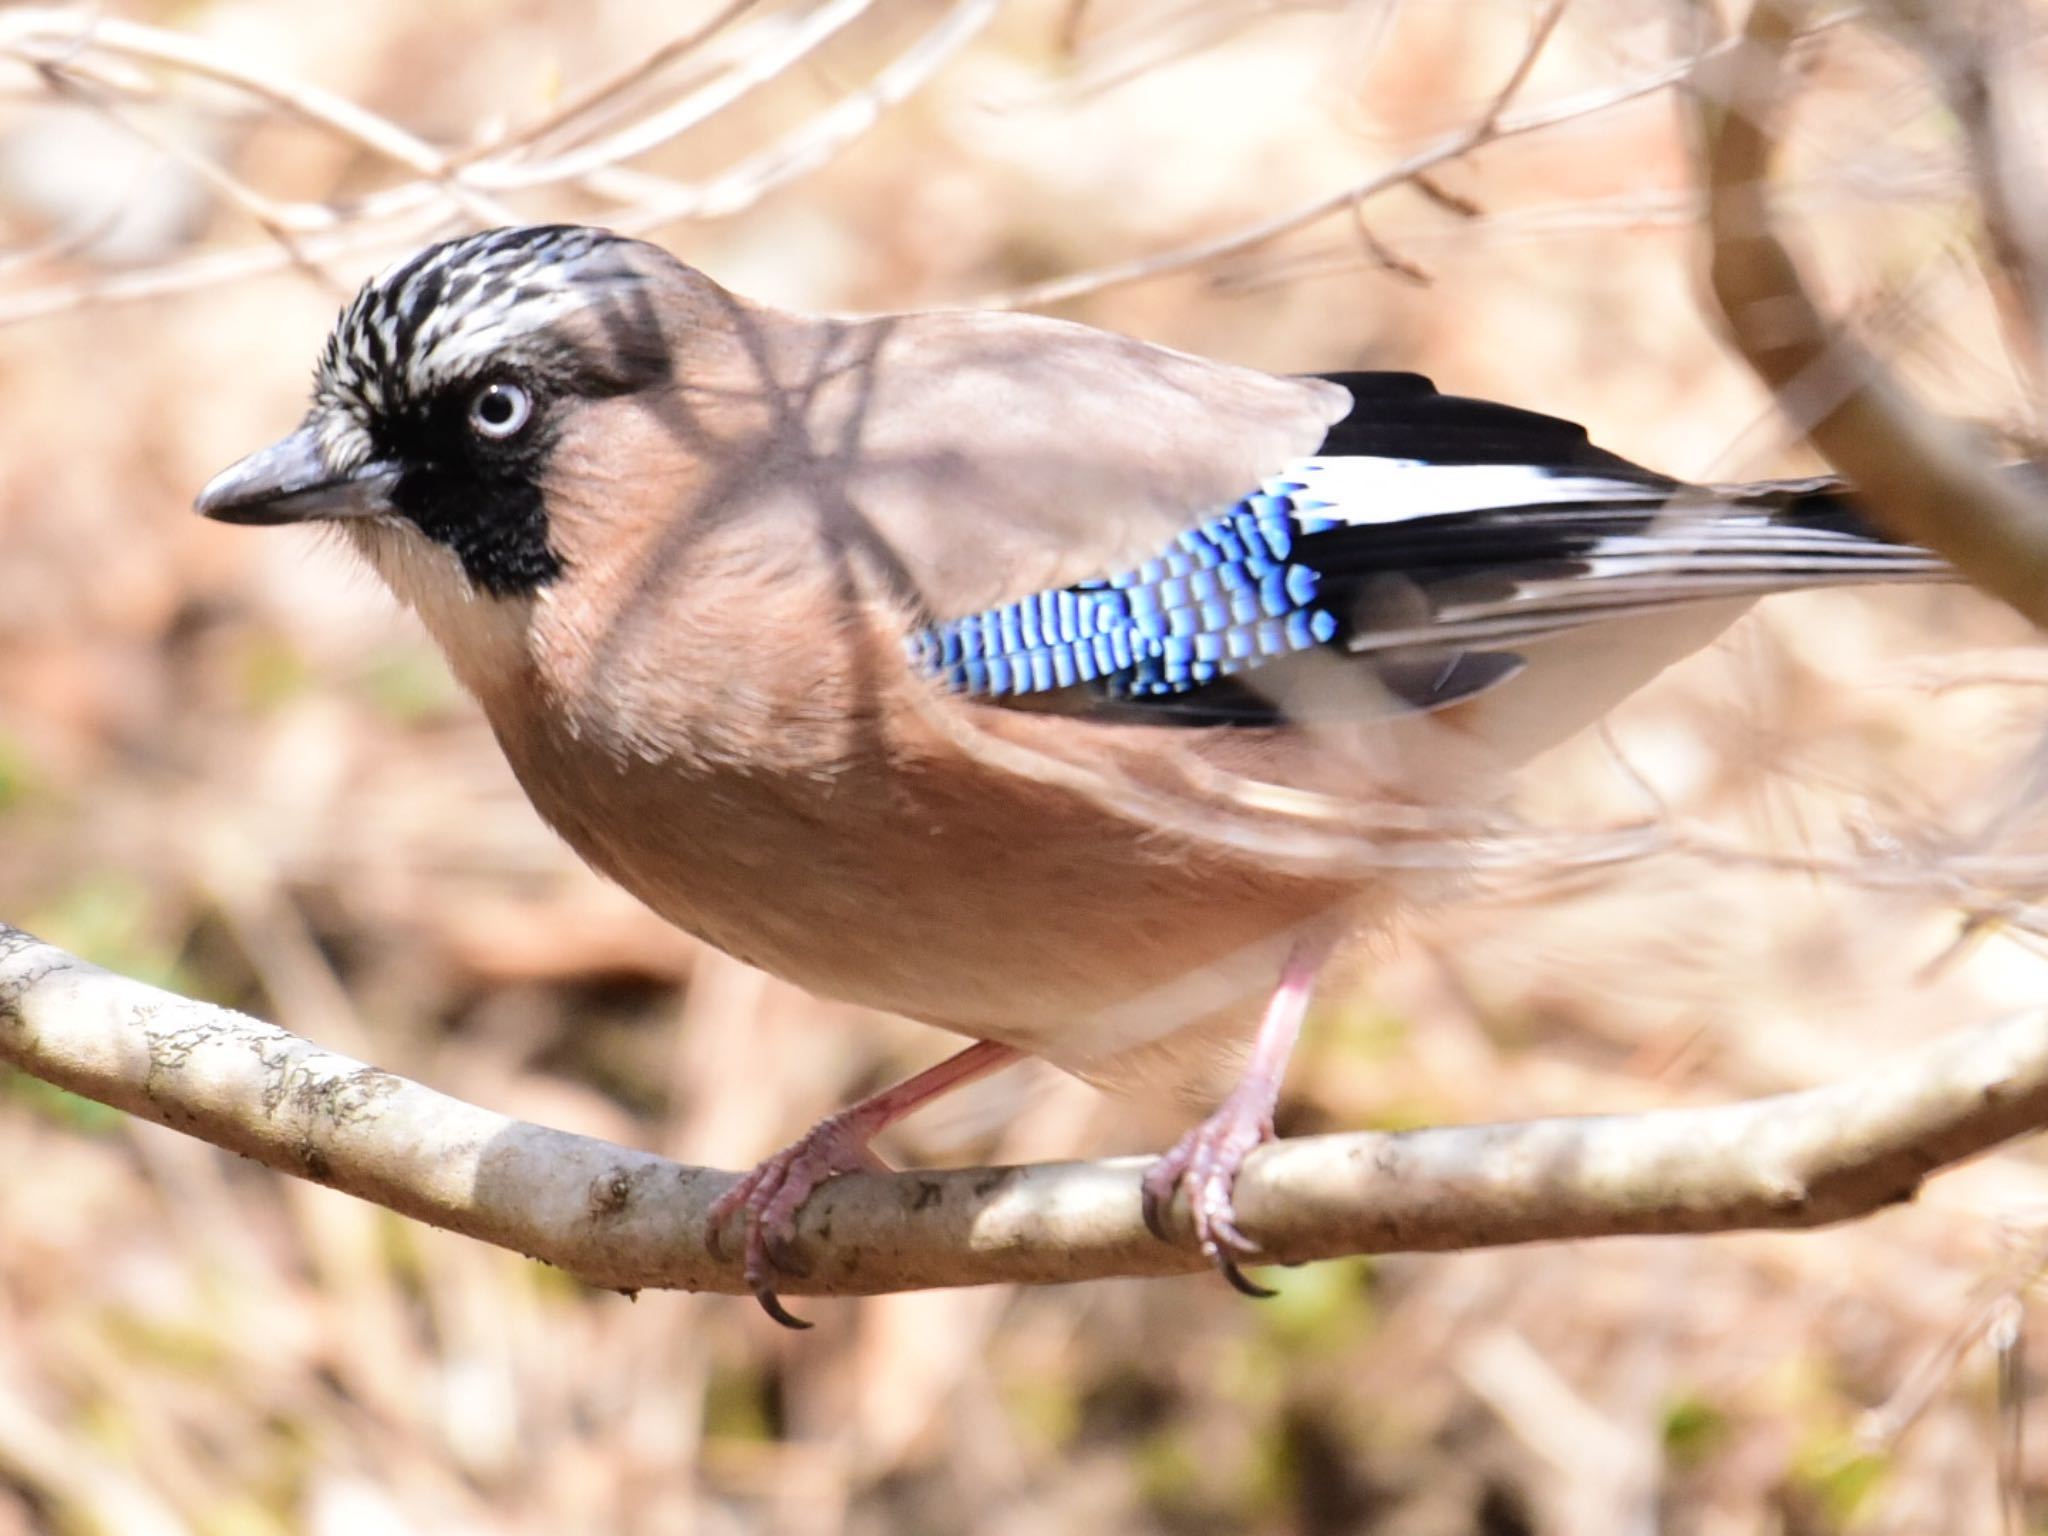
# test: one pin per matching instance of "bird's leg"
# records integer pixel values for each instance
(769, 1198)
(1205, 1162)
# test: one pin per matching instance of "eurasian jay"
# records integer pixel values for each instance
(980, 667)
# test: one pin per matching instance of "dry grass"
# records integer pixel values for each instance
(225, 762)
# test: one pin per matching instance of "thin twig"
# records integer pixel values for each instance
(1539, 38)
(497, 173)
(207, 270)
(273, 218)
(604, 93)
(1411, 171)
(1975, 66)
(824, 136)
(48, 36)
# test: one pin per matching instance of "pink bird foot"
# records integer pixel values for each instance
(1207, 1160)
(768, 1199)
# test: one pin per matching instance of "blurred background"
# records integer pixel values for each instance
(230, 766)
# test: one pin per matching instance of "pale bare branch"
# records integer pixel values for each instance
(629, 1220)
(452, 189)
(1918, 475)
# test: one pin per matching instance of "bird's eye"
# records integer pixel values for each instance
(500, 409)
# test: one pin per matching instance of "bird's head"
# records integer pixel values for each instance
(447, 385)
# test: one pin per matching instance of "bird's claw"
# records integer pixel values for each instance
(767, 1202)
(1205, 1163)
(772, 1305)
(1242, 1283)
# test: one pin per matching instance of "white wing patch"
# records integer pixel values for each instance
(1375, 490)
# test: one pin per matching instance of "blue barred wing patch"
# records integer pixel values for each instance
(1226, 596)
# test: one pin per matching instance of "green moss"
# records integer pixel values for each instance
(1838, 1474)
(57, 1104)
(1044, 1409)
(184, 1347)
(241, 1515)
(738, 1406)
(109, 917)
(1693, 1430)
(19, 782)
(1359, 1029)
(408, 686)
(272, 672)
(1172, 1477)
(1408, 1115)
(1318, 1308)
(1271, 1475)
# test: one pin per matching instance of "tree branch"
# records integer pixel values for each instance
(1920, 477)
(628, 1220)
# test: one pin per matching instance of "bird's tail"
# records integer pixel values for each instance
(1533, 571)
(1844, 537)
(1599, 599)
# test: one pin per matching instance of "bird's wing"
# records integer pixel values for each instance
(990, 456)
(1426, 539)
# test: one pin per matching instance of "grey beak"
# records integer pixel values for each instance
(289, 482)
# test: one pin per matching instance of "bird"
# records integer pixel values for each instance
(993, 669)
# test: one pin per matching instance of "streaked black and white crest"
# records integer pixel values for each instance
(453, 310)
(528, 321)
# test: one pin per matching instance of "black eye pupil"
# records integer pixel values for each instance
(497, 406)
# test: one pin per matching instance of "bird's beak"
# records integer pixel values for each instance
(289, 482)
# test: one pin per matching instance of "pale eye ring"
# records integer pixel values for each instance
(501, 409)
